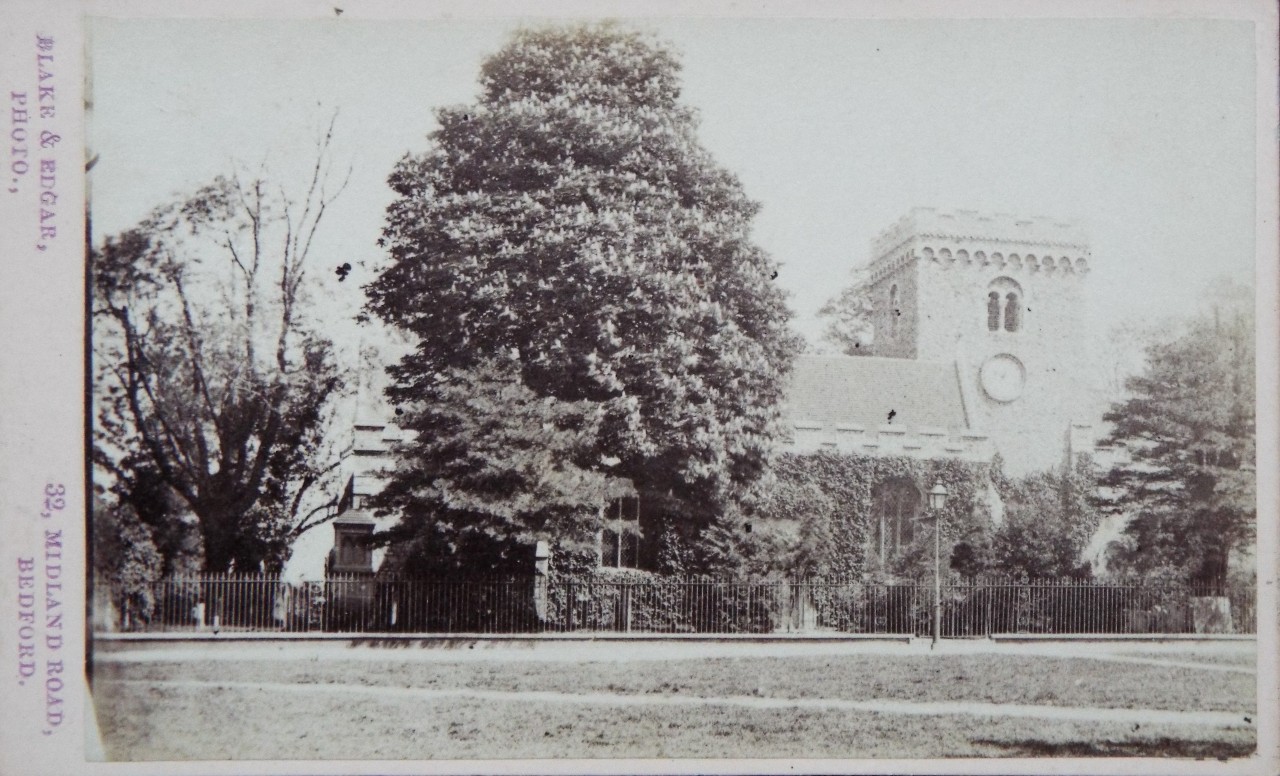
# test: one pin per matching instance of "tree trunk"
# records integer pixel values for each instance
(218, 530)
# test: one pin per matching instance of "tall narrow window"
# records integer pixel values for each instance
(893, 308)
(1004, 300)
(620, 535)
(1011, 312)
(896, 504)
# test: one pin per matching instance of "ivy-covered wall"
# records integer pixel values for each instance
(817, 520)
(827, 498)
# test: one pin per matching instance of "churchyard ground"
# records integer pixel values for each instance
(486, 700)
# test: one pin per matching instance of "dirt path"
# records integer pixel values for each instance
(1136, 717)
(1179, 655)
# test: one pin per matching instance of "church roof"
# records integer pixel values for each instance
(862, 391)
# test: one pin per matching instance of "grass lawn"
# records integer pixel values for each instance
(1239, 658)
(156, 721)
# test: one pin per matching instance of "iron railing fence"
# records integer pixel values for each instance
(983, 607)
(970, 608)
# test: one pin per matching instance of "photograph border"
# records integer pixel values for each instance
(45, 437)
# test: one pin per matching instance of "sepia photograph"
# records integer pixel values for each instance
(634, 388)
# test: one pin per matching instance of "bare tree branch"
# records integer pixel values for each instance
(235, 437)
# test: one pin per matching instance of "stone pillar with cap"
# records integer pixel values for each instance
(541, 571)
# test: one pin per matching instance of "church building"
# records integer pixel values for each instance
(979, 349)
(979, 346)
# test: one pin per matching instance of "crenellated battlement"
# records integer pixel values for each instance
(971, 225)
(968, 239)
(808, 436)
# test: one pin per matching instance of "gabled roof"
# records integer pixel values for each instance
(862, 390)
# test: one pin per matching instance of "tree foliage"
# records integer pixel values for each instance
(137, 490)
(568, 248)
(127, 560)
(213, 379)
(500, 461)
(1187, 432)
(848, 315)
(1049, 520)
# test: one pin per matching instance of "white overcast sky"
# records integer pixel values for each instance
(1142, 131)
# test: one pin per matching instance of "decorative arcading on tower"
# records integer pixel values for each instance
(1000, 296)
(969, 238)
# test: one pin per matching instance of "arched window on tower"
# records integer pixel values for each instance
(1004, 302)
(1011, 312)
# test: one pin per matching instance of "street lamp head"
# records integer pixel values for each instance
(937, 496)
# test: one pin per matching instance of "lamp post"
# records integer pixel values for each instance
(937, 500)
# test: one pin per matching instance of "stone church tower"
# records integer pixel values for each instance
(1001, 298)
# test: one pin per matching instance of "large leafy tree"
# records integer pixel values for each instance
(213, 379)
(1188, 436)
(568, 235)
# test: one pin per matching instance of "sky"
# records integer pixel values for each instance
(1141, 131)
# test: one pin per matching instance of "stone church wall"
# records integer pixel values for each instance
(943, 267)
(895, 295)
(1050, 344)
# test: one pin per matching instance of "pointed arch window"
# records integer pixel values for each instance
(896, 505)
